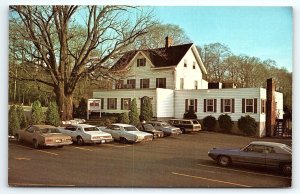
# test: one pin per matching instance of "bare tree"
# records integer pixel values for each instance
(60, 43)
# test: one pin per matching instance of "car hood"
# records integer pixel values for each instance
(139, 133)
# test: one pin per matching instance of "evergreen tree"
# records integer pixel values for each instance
(22, 118)
(133, 113)
(146, 109)
(124, 118)
(52, 115)
(37, 115)
(82, 108)
(13, 120)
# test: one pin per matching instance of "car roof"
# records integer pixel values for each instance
(43, 126)
(122, 125)
(82, 125)
(266, 143)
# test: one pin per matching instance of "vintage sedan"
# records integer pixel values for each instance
(43, 135)
(84, 133)
(166, 128)
(127, 133)
(148, 128)
(256, 153)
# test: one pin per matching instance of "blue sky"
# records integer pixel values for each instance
(263, 32)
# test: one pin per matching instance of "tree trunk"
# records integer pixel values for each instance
(64, 102)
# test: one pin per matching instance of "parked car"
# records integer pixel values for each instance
(186, 125)
(256, 153)
(43, 135)
(147, 127)
(127, 133)
(83, 133)
(166, 128)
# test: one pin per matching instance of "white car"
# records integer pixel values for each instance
(127, 133)
(83, 133)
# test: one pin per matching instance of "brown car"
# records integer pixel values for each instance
(43, 135)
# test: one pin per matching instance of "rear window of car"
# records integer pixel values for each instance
(186, 122)
(91, 129)
(195, 122)
(148, 127)
(165, 125)
(49, 130)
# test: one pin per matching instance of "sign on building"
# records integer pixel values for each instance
(93, 105)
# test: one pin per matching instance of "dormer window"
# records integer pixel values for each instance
(141, 62)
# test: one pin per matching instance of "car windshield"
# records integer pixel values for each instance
(131, 128)
(91, 129)
(195, 122)
(49, 130)
(165, 125)
(148, 127)
(287, 148)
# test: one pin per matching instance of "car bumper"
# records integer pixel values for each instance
(57, 144)
(102, 141)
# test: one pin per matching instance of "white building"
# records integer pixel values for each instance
(173, 78)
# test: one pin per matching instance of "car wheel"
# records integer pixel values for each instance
(224, 161)
(80, 141)
(286, 169)
(123, 140)
(18, 138)
(36, 144)
(183, 130)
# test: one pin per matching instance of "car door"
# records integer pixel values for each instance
(253, 154)
(28, 134)
(115, 131)
(71, 131)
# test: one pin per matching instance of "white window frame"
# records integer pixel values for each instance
(115, 102)
(230, 105)
(248, 100)
(141, 62)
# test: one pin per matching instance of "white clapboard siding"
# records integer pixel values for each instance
(126, 93)
(237, 93)
(189, 74)
(165, 103)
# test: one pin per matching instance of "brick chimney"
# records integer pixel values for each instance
(270, 108)
(169, 42)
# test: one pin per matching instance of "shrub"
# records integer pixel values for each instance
(82, 108)
(190, 114)
(133, 113)
(22, 118)
(37, 115)
(209, 123)
(123, 118)
(52, 115)
(247, 125)
(13, 120)
(146, 109)
(225, 123)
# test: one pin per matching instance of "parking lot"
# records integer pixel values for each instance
(178, 161)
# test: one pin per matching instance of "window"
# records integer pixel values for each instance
(102, 103)
(196, 85)
(194, 65)
(227, 105)
(141, 62)
(249, 105)
(131, 83)
(144, 83)
(181, 83)
(185, 63)
(160, 82)
(125, 103)
(111, 103)
(191, 104)
(263, 106)
(30, 129)
(210, 105)
(119, 84)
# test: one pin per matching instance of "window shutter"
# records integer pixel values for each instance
(107, 103)
(232, 105)
(122, 100)
(129, 103)
(186, 105)
(204, 106)
(222, 105)
(243, 105)
(215, 105)
(102, 103)
(116, 103)
(196, 105)
(255, 105)
(141, 83)
(156, 82)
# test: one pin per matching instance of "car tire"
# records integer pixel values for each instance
(36, 144)
(224, 161)
(183, 130)
(286, 168)
(80, 141)
(18, 138)
(123, 140)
